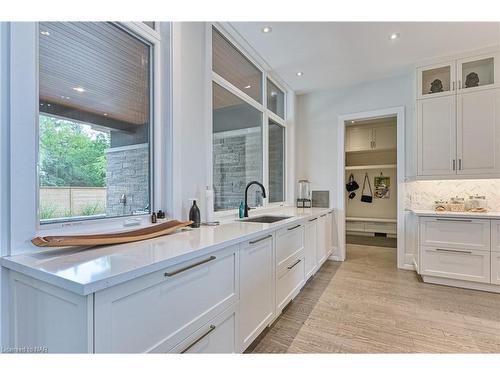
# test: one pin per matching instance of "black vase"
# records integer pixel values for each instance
(194, 215)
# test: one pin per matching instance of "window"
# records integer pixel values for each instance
(276, 162)
(237, 150)
(234, 67)
(94, 122)
(275, 99)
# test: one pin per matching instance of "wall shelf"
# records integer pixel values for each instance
(377, 166)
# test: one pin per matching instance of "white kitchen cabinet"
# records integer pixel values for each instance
(217, 336)
(289, 280)
(370, 138)
(468, 265)
(257, 288)
(478, 72)
(321, 249)
(358, 138)
(310, 246)
(156, 312)
(384, 137)
(455, 233)
(436, 136)
(478, 132)
(289, 240)
(495, 267)
(438, 74)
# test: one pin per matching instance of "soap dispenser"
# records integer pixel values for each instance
(194, 215)
(241, 211)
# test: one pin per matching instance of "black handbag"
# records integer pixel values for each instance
(366, 198)
(351, 184)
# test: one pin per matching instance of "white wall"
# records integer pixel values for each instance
(317, 129)
(316, 143)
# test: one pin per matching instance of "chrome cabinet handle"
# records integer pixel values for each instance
(212, 327)
(459, 220)
(453, 85)
(173, 273)
(459, 164)
(260, 239)
(295, 227)
(293, 265)
(324, 215)
(455, 251)
(313, 219)
(453, 164)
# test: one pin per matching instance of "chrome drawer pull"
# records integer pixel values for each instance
(455, 251)
(324, 215)
(313, 219)
(295, 227)
(260, 239)
(212, 327)
(459, 220)
(293, 265)
(173, 273)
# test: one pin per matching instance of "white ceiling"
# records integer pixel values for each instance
(336, 54)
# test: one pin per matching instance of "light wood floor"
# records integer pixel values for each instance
(367, 305)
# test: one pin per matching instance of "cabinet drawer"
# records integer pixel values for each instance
(289, 281)
(377, 227)
(495, 267)
(289, 240)
(355, 226)
(218, 336)
(469, 265)
(157, 311)
(455, 233)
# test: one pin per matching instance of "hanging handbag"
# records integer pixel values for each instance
(351, 184)
(366, 198)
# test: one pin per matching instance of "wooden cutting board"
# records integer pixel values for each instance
(111, 238)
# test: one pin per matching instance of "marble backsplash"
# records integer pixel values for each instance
(422, 194)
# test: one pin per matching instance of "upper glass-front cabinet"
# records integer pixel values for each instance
(436, 80)
(476, 72)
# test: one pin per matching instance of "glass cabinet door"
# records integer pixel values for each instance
(477, 72)
(436, 80)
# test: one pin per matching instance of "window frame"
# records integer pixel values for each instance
(267, 114)
(25, 130)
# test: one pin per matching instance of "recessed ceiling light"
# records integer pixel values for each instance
(248, 86)
(79, 89)
(46, 33)
(105, 114)
(267, 29)
(394, 36)
(352, 122)
(300, 74)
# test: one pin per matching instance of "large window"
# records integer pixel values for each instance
(276, 162)
(248, 113)
(94, 121)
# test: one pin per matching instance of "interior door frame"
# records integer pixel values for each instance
(399, 112)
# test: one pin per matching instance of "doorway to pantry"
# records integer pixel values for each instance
(370, 195)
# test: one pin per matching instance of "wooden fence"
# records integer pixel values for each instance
(72, 201)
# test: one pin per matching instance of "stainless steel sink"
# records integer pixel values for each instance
(266, 219)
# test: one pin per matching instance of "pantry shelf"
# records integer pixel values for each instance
(377, 166)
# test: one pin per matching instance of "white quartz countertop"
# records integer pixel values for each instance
(90, 270)
(475, 215)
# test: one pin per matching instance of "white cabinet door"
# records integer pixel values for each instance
(218, 336)
(478, 132)
(384, 137)
(495, 267)
(478, 72)
(328, 233)
(156, 312)
(310, 245)
(257, 289)
(436, 138)
(321, 245)
(289, 280)
(460, 264)
(358, 138)
(436, 80)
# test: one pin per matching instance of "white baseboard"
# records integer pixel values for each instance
(462, 284)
